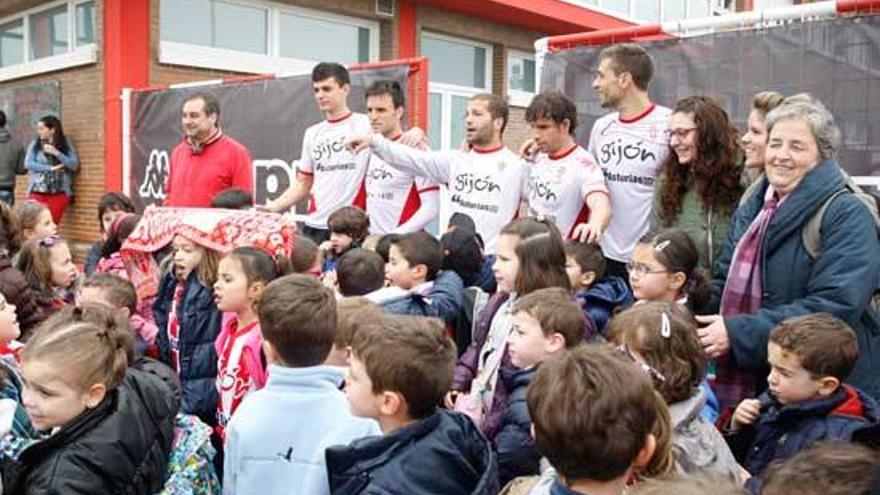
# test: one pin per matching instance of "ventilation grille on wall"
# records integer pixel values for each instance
(385, 8)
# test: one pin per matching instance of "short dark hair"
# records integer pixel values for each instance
(117, 290)
(592, 413)
(233, 198)
(352, 313)
(120, 229)
(409, 355)
(498, 108)
(588, 256)
(553, 105)
(384, 245)
(212, 104)
(632, 58)
(2, 118)
(305, 253)
(351, 221)
(114, 201)
(824, 344)
(298, 317)
(359, 271)
(462, 253)
(331, 69)
(421, 248)
(826, 468)
(256, 264)
(390, 88)
(556, 312)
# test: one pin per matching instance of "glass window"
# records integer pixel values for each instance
(214, 23)
(435, 122)
(185, 21)
(458, 110)
(239, 27)
(673, 10)
(85, 23)
(619, 6)
(648, 10)
(699, 8)
(11, 43)
(521, 74)
(310, 38)
(48, 32)
(455, 62)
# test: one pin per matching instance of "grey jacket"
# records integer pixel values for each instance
(697, 445)
(11, 160)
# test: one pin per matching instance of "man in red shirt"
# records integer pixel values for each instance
(207, 161)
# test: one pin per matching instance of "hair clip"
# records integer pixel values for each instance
(660, 246)
(665, 326)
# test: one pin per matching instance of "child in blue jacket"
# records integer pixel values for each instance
(189, 322)
(417, 286)
(599, 296)
(807, 401)
(400, 369)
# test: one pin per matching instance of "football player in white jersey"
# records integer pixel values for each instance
(629, 145)
(397, 202)
(484, 183)
(330, 174)
(565, 184)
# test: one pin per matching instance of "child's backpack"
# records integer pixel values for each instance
(191, 464)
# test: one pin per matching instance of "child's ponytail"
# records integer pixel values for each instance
(91, 343)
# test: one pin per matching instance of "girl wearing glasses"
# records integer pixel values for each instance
(700, 180)
(664, 268)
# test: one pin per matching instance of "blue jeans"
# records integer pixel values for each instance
(7, 196)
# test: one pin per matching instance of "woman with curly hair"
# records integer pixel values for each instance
(699, 183)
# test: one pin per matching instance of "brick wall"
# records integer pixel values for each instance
(82, 89)
(82, 115)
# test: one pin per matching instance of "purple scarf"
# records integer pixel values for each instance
(742, 295)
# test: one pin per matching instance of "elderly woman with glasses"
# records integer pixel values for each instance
(699, 182)
(765, 274)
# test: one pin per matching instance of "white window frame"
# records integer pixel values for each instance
(76, 55)
(205, 57)
(446, 92)
(465, 41)
(516, 97)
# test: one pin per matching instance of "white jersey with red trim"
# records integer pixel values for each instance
(393, 195)
(558, 187)
(630, 153)
(338, 174)
(485, 185)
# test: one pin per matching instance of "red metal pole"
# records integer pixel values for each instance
(603, 37)
(858, 6)
(126, 53)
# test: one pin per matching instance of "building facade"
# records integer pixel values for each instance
(93, 49)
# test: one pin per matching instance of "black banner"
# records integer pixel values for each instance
(269, 116)
(838, 61)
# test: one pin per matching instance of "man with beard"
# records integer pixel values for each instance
(565, 183)
(207, 161)
(397, 202)
(484, 183)
(629, 145)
